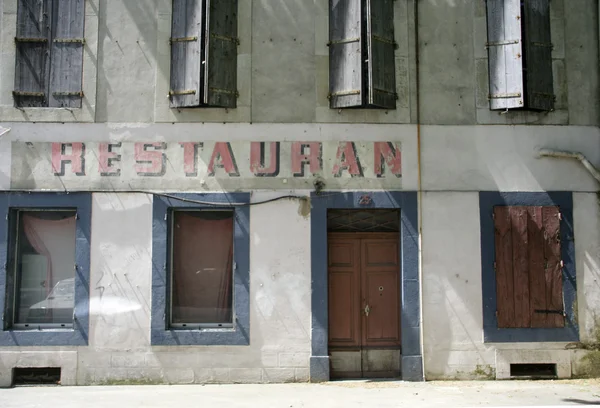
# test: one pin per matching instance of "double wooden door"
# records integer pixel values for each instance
(364, 281)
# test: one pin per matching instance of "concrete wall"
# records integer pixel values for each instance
(283, 66)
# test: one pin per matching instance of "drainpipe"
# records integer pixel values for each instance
(572, 155)
(419, 180)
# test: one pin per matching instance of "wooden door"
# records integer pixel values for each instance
(364, 295)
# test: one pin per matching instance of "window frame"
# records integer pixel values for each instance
(78, 333)
(13, 262)
(162, 333)
(522, 47)
(180, 98)
(171, 246)
(491, 333)
(367, 88)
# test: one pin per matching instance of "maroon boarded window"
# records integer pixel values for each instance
(529, 285)
(202, 268)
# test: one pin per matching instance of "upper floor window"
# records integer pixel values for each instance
(361, 54)
(204, 54)
(520, 55)
(49, 53)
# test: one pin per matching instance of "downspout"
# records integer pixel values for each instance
(4, 131)
(572, 155)
(419, 181)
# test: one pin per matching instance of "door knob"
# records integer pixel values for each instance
(367, 310)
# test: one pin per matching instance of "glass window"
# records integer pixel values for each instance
(201, 268)
(44, 268)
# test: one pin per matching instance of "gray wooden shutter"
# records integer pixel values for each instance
(505, 54)
(186, 44)
(66, 57)
(381, 48)
(538, 55)
(345, 53)
(220, 78)
(32, 53)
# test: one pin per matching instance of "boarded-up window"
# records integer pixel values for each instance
(520, 55)
(49, 53)
(528, 267)
(204, 54)
(361, 54)
(201, 268)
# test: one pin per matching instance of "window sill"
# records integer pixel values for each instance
(200, 337)
(83, 114)
(537, 335)
(45, 337)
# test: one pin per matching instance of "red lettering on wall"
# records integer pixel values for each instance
(149, 160)
(387, 154)
(346, 159)
(257, 159)
(107, 158)
(313, 158)
(190, 158)
(222, 157)
(76, 157)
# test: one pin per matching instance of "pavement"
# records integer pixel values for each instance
(381, 394)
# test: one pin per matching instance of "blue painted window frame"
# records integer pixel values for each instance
(82, 203)
(491, 332)
(406, 202)
(161, 333)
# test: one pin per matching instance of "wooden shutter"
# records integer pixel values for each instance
(186, 44)
(32, 49)
(345, 53)
(553, 268)
(220, 78)
(538, 55)
(528, 267)
(505, 54)
(66, 68)
(381, 48)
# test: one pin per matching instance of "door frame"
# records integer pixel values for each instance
(410, 285)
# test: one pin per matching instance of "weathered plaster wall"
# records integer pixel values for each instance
(120, 285)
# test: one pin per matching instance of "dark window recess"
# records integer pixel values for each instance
(49, 53)
(528, 267)
(36, 376)
(363, 220)
(201, 268)
(361, 54)
(533, 370)
(520, 55)
(204, 54)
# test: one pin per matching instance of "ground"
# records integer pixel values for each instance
(380, 394)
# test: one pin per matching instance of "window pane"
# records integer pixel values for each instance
(45, 270)
(202, 258)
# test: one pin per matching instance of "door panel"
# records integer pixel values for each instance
(381, 327)
(380, 252)
(344, 292)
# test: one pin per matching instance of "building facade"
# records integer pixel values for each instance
(259, 191)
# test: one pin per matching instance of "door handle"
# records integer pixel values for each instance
(367, 310)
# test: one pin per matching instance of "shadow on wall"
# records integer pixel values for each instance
(580, 401)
